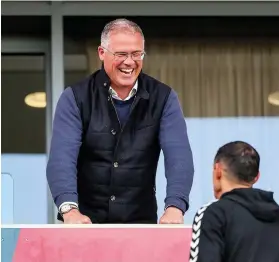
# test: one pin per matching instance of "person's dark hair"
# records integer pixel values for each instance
(241, 159)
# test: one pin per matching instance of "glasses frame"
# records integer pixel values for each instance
(125, 55)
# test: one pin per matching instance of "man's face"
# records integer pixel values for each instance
(122, 71)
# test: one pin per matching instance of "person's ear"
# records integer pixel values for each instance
(217, 171)
(101, 53)
(217, 174)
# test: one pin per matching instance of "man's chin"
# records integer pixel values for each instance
(127, 82)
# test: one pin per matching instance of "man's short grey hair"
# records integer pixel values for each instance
(120, 25)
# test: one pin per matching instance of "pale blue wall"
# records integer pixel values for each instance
(27, 203)
(23, 189)
(207, 135)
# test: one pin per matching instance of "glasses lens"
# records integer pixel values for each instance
(135, 56)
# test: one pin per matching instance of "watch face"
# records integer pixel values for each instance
(65, 208)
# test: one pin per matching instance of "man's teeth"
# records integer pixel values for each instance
(127, 71)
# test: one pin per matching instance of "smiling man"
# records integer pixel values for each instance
(108, 133)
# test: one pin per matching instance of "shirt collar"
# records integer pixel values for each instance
(131, 94)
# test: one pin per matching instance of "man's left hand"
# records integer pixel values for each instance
(172, 215)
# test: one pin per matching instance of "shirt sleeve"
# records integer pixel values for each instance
(64, 149)
(179, 167)
(207, 243)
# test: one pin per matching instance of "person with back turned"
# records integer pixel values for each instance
(243, 224)
(108, 132)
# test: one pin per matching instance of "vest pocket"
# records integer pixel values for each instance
(100, 141)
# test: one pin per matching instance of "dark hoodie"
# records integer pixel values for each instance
(243, 226)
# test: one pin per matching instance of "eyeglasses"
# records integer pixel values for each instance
(122, 56)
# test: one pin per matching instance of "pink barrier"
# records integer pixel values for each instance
(103, 245)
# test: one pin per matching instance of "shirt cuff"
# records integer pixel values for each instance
(178, 203)
(67, 203)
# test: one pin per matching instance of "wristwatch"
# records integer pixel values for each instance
(67, 208)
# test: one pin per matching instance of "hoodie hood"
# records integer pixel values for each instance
(260, 203)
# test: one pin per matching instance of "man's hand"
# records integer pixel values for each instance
(75, 217)
(172, 215)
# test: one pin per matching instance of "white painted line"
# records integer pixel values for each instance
(110, 226)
